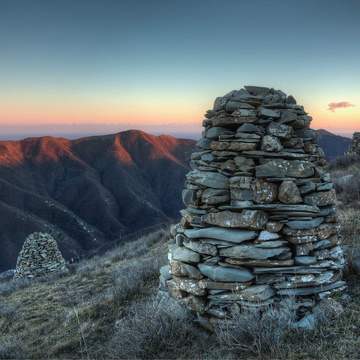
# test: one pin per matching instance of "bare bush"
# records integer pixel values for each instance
(14, 285)
(157, 328)
(343, 162)
(12, 349)
(131, 278)
(86, 267)
(257, 331)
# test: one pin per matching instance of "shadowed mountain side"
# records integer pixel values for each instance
(333, 145)
(89, 191)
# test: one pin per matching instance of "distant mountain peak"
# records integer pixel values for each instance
(332, 144)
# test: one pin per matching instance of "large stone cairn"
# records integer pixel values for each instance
(260, 223)
(354, 147)
(39, 256)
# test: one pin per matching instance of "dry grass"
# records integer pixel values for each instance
(72, 315)
(158, 328)
(106, 307)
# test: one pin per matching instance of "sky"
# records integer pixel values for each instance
(76, 67)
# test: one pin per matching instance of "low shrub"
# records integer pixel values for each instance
(12, 349)
(157, 328)
(131, 278)
(257, 331)
(343, 162)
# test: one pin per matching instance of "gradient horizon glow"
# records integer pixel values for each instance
(153, 63)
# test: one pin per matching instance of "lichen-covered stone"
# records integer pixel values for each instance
(248, 219)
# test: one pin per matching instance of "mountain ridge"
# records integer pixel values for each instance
(88, 191)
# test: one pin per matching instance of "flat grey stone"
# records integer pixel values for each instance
(274, 106)
(281, 131)
(321, 198)
(303, 249)
(200, 247)
(232, 235)
(208, 179)
(231, 106)
(307, 322)
(246, 188)
(279, 168)
(326, 186)
(183, 254)
(218, 273)
(287, 117)
(291, 100)
(249, 128)
(189, 197)
(305, 260)
(305, 224)
(289, 270)
(261, 263)
(220, 102)
(179, 268)
(215, 132)
(272, 244)
(196, 211)
(307, 134)
(253, 293)
(327, 210)
(276, 207)
(289, 193)
(309, 187)
(215, 196)
(191, 286)
(208, 157)
(257, 90)
(165, 274)
(204, 143)
(212, 260)
(197, 155)
(282, 154)
(266, 235)
(267, 113)
(248, 219)
(270, 143)
(249, 251)
(311, 290)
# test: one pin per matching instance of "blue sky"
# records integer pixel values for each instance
(151, 63)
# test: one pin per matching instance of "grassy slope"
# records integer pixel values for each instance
(99, 309)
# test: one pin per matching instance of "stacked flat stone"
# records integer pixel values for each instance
(260, 222)
(39, 256)
(354, 147)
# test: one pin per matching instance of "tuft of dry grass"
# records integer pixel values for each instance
(158, 328)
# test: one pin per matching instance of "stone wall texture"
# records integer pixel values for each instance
(260, 221)
(39, 256)
(354, 147)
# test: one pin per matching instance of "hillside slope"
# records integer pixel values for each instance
(89, 191)
(333, 145)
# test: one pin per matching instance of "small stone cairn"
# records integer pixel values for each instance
(260, 223)
(354, 147)
(39, 256)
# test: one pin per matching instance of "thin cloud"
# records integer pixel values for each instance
(334, 105)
